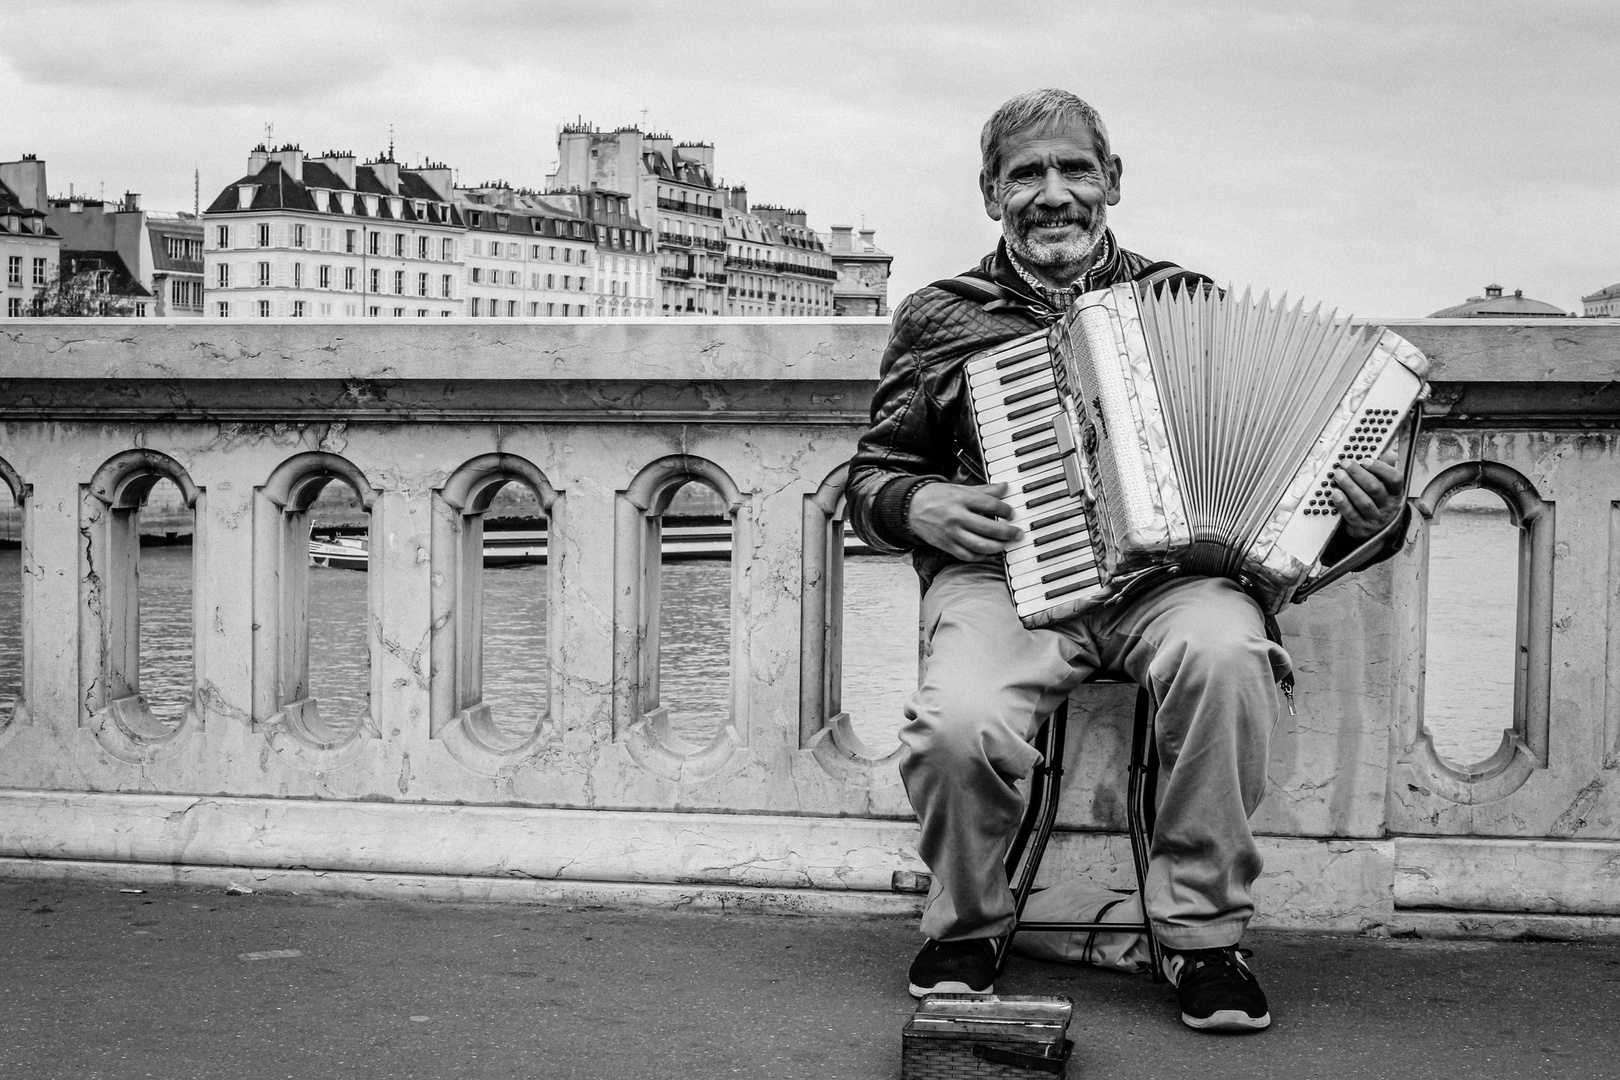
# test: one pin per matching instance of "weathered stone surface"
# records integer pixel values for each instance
(774, 409)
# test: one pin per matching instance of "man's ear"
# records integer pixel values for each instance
(1116, 168)
(987, 188)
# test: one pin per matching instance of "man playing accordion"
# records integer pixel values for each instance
(1199, 645)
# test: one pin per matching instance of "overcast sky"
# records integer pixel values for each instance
(1390, 158)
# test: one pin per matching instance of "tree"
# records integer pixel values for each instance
(79, 295)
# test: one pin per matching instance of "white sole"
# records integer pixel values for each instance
(1228, 1020)
(951, 988)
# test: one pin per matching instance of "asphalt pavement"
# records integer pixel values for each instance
(174, 983)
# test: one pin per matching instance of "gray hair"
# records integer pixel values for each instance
(1034, 108)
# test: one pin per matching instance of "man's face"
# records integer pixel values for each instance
(1051, 195)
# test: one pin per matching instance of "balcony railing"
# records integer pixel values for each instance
(806, 271)
(1364, 823)
(690, 208)
(675, 239)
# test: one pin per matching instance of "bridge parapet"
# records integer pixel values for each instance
(1365, 823)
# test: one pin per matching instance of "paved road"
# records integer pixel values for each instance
(95, 983)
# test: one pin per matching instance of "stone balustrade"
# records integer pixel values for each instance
(1364, 825)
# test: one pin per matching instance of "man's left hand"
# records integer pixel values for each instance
(1368, 495)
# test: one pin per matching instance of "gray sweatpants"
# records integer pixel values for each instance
(1198, 645)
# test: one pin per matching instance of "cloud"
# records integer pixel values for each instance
(1386, 154)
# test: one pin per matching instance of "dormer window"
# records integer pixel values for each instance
(244, 196)
(396, 208)
(371, 205)
(346, 201)
(323, 200)
(421, 210)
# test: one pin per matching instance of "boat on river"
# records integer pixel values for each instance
(683, 538)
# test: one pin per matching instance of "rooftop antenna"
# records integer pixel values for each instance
(196, 192)
(390, 142)
(644, 119)
(269, 133)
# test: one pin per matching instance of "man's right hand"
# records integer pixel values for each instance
(963, 521)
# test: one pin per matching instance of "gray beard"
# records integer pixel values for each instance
(1050, 257)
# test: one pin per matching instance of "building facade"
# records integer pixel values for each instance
(625, 282)
(1493, 305)
(30, 250)
(1603, 304)
(524, 257)
(862, 287)
(176, 244)
(299, 237)
(715, 254)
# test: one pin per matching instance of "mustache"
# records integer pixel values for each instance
(1053, 218)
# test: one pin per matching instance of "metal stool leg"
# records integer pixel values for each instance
(1035, 830)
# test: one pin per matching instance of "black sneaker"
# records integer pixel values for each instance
(1216, 990)
(955, 967)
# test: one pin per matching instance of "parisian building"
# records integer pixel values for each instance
(301, 236)
(1494, 305)
(536, 255)
(176, 245)
(626, 283)
(1603, 304)
(30, 250)
(862, 287)
(716, 254)
(108, 243)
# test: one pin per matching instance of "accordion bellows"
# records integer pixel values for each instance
(1210, 427)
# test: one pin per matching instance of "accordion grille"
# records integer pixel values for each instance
(1248, 387)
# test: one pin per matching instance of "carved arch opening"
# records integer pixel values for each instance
(459, 715)
(825, 728)
(111, 703)
(1524, 746)
(283, 707)
(640, 721)
(14, 706)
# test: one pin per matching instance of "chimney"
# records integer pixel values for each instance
(132, 202)
(387, 172)
(1518, 294)
(841, 239)
(738, 198)
(437, 176)
(27, 179)
(700, 152)
(867, 244)
(257, 160)
(341, 162)
(292, 160)
(664, 146)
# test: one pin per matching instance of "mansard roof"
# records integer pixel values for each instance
(274, 189)
(120, 283)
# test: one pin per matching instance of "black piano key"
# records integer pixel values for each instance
(1025, 395)
(1028, 410)
(1035, 447)
(1033, 429)
(1058, 553)
(1061, 534)
(1039, 463)
(1044, 499)
(1015, 376)
(1053, 519)
(1082, 567)
(1016, 358)
(1073, 586)
(1044, 482)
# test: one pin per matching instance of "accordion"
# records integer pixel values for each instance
(1186, 429)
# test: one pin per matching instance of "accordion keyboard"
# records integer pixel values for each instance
(1026, 437)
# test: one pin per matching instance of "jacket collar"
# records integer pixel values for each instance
(1107, 270)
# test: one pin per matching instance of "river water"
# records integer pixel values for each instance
(1470, 663)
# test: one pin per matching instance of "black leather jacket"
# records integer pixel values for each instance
(922, 423)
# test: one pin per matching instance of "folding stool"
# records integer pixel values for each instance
(1040, 815)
